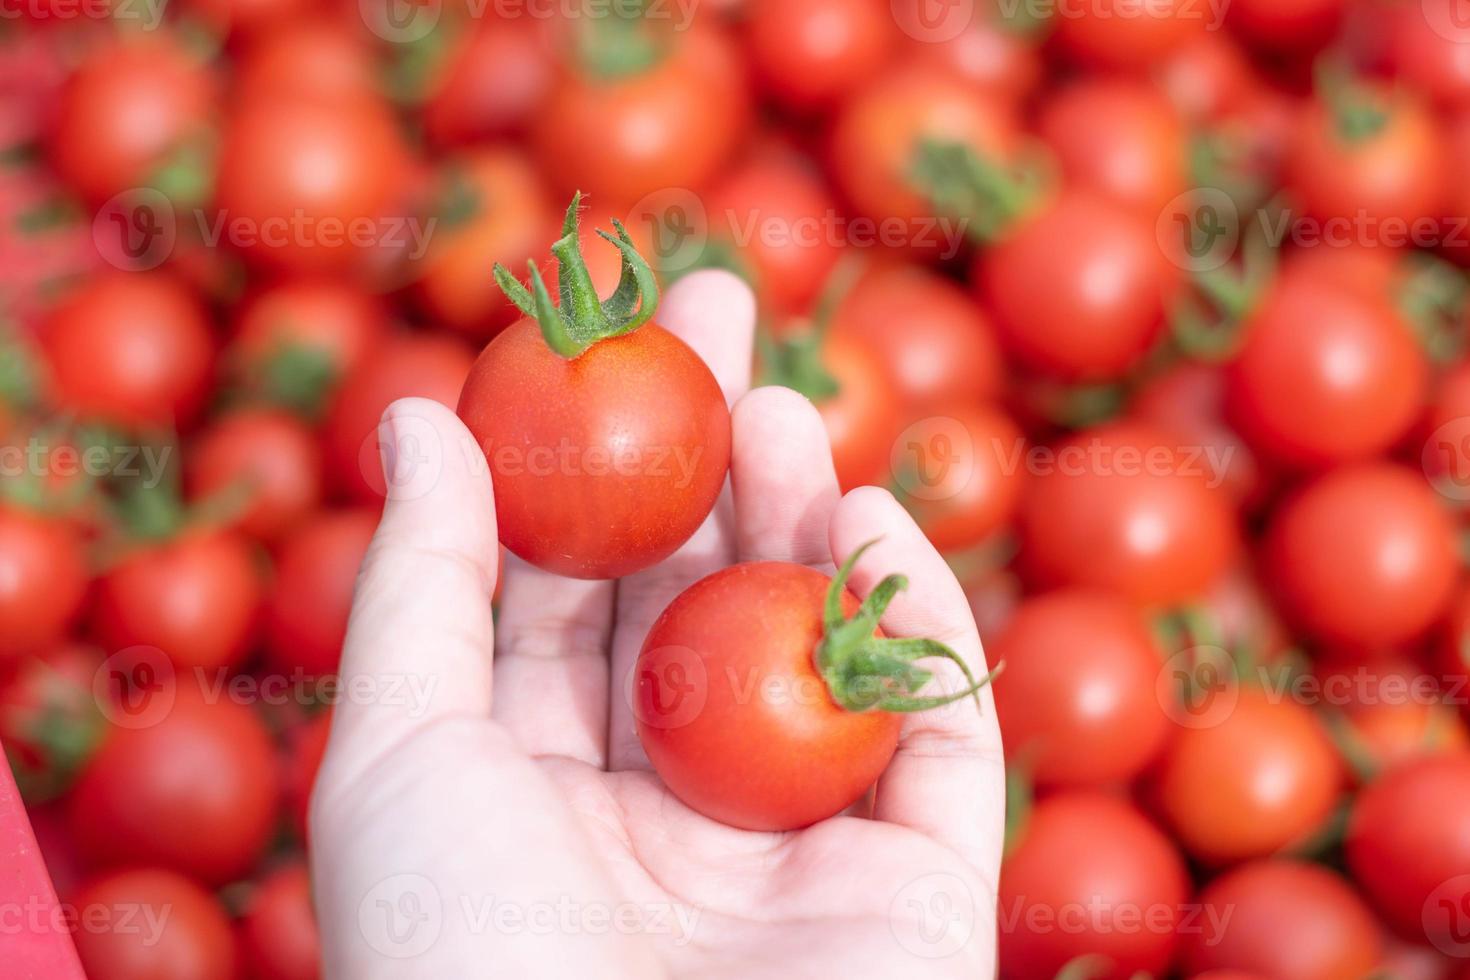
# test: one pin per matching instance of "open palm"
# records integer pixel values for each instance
(491, 816)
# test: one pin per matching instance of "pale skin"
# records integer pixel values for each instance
(504, 821)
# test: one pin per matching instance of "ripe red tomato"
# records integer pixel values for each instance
(266, 456)
(278, 933)
(772, 729)
(1077, 700)
(1249, 780)
(309, 184)
(987, 51)
(43, 580)
(1325, 375)
(423, 365)
(311, 56)
(1388, 732)
(130, 349)
(195, 597)
(1124, 34)
(1408, 847)
(316, 570)
(1078, 288)
(152, 924)
(1286, 24)
(671, 124)
(491, 84)
(496, 210)
(1120, 507)
(960, 473)
(1286, 919)
(1089, 875)
(194, 790)
(295, 340)
(1364, 556)
(878, 135)
(808, 54)
(133, 105)
(1120, 138)
(937, 342)
(1188, 401)
(1430, 59)
(1207, 77)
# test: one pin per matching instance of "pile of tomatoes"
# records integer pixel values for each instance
(1152, 314)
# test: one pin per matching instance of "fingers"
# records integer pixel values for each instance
(781, 473)
(714, 313)
(419, 637)
(947, 777)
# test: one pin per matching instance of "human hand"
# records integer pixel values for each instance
(496, 815)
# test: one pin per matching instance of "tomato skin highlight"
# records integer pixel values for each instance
(762, 745)
(603, 464)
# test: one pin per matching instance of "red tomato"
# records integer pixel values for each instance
(937, 342)
(268, 457)
(1077, 288)
(777, 216)
(1408, 847)
(808, 54)
(861, 416)
(1188, 401)
(130, 349)
(195, 597)
(306, 746)
(774, 762)
(43, 580)
(1325, 376)
(988, 51)
(316, 571)
(1120, 138)
(879, 133)
(497, 211)
(1284, 919)
(492, 83)
(1446, 452)
(1456, 235)
(1390, 732)
(315, 57)
(406, 365)
(960, 474)
(1207, 77)
(1286, 24)
(1365, 270)
(1247, 781)
(194, 791)
(296, 340)
(1379, 185)
(1126, 34)
(152, 924)
(1076, 700)
(1120, 507)
(671, 124)
(132, 106)
(309, 184)
(49, 719)
(1089, 875)
(1364, 556)
(1426, 49)
(278, 934)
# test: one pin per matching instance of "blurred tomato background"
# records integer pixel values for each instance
(1152, 313)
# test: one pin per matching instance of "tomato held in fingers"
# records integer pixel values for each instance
(131, 109)
(131, 350)
(1120, 507)
(654, 108)
(808, 54)
(316, 571)
(829, 693)
(608, 438)
(1408, 847)
(184, 779)
(937, 342)
(264, 461)
(1286, 919)
(1084, 872)
(1247, 777)
(1325, 375)
(408, 365)
(1078, 288)
(43, 580)
(278, 933)
(195, 596)
(1077, 702)
(1364, 557)
(191, 938)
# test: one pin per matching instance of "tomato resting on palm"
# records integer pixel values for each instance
(767, 698)
(608, 438)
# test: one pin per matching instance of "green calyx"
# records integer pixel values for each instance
(1358, 111)
(582, 318)
(962, 184)
(865, 672)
